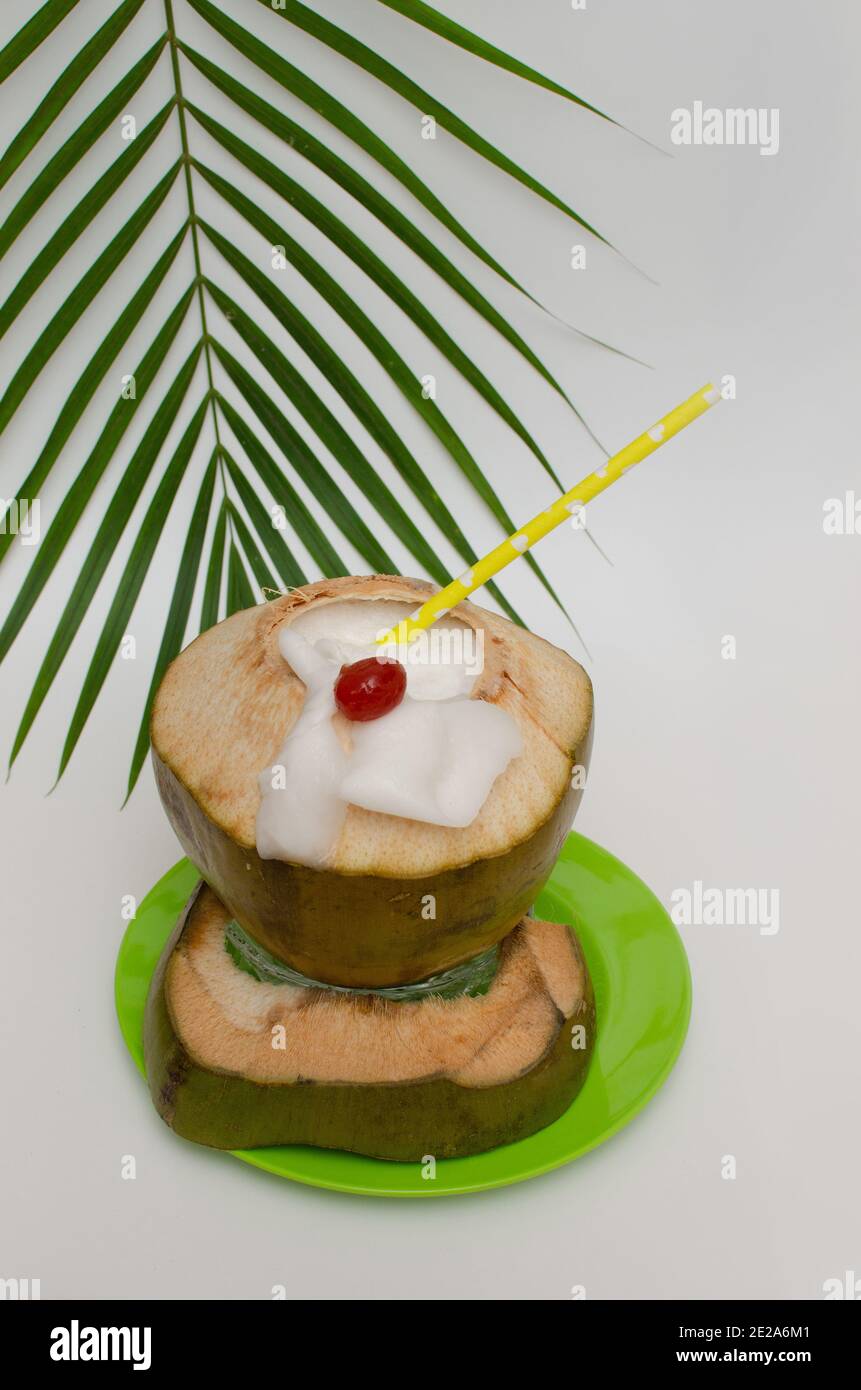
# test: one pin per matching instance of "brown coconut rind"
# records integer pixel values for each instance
(403, 1081)
(416, 899)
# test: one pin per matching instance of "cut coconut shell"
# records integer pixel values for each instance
(398, 900)
(233, 1062)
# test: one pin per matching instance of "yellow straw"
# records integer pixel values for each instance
(561, 510)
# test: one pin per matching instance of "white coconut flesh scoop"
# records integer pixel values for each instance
(435, 754)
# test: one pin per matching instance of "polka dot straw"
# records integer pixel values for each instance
(561, 510)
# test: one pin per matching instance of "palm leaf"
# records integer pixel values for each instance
(332, 433)
(303, 143)
(133, 577)
(66, 85)
(82, 296)
(312, 536)
(31, 34)
(77, 145)
(291, 574)
(336, 439)
(343, 119)
(211, 605)
(116, 517)
(231, 542)
(359, 53)
(256, 562)
(455, 33)
(239, 591)
(390, 216)
(179, 611)
(49, 255)
(315, 477)
(75, 502)
(361, 255)
(91, 377)
(341, 511)
(366, 331)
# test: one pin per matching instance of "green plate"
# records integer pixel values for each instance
(643, 995)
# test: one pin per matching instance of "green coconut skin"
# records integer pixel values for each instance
(299, 913)
(404, 1122)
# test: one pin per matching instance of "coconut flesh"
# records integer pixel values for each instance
(434, 758)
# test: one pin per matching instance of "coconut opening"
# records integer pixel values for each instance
(442, 663)
(433, 759)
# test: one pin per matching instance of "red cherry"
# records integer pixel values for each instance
(370, 688)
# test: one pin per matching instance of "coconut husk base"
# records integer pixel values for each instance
(237, 1063)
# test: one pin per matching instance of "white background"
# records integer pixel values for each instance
(738, 773)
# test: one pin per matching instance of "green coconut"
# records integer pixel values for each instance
(234, 1062)
(397, 900)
